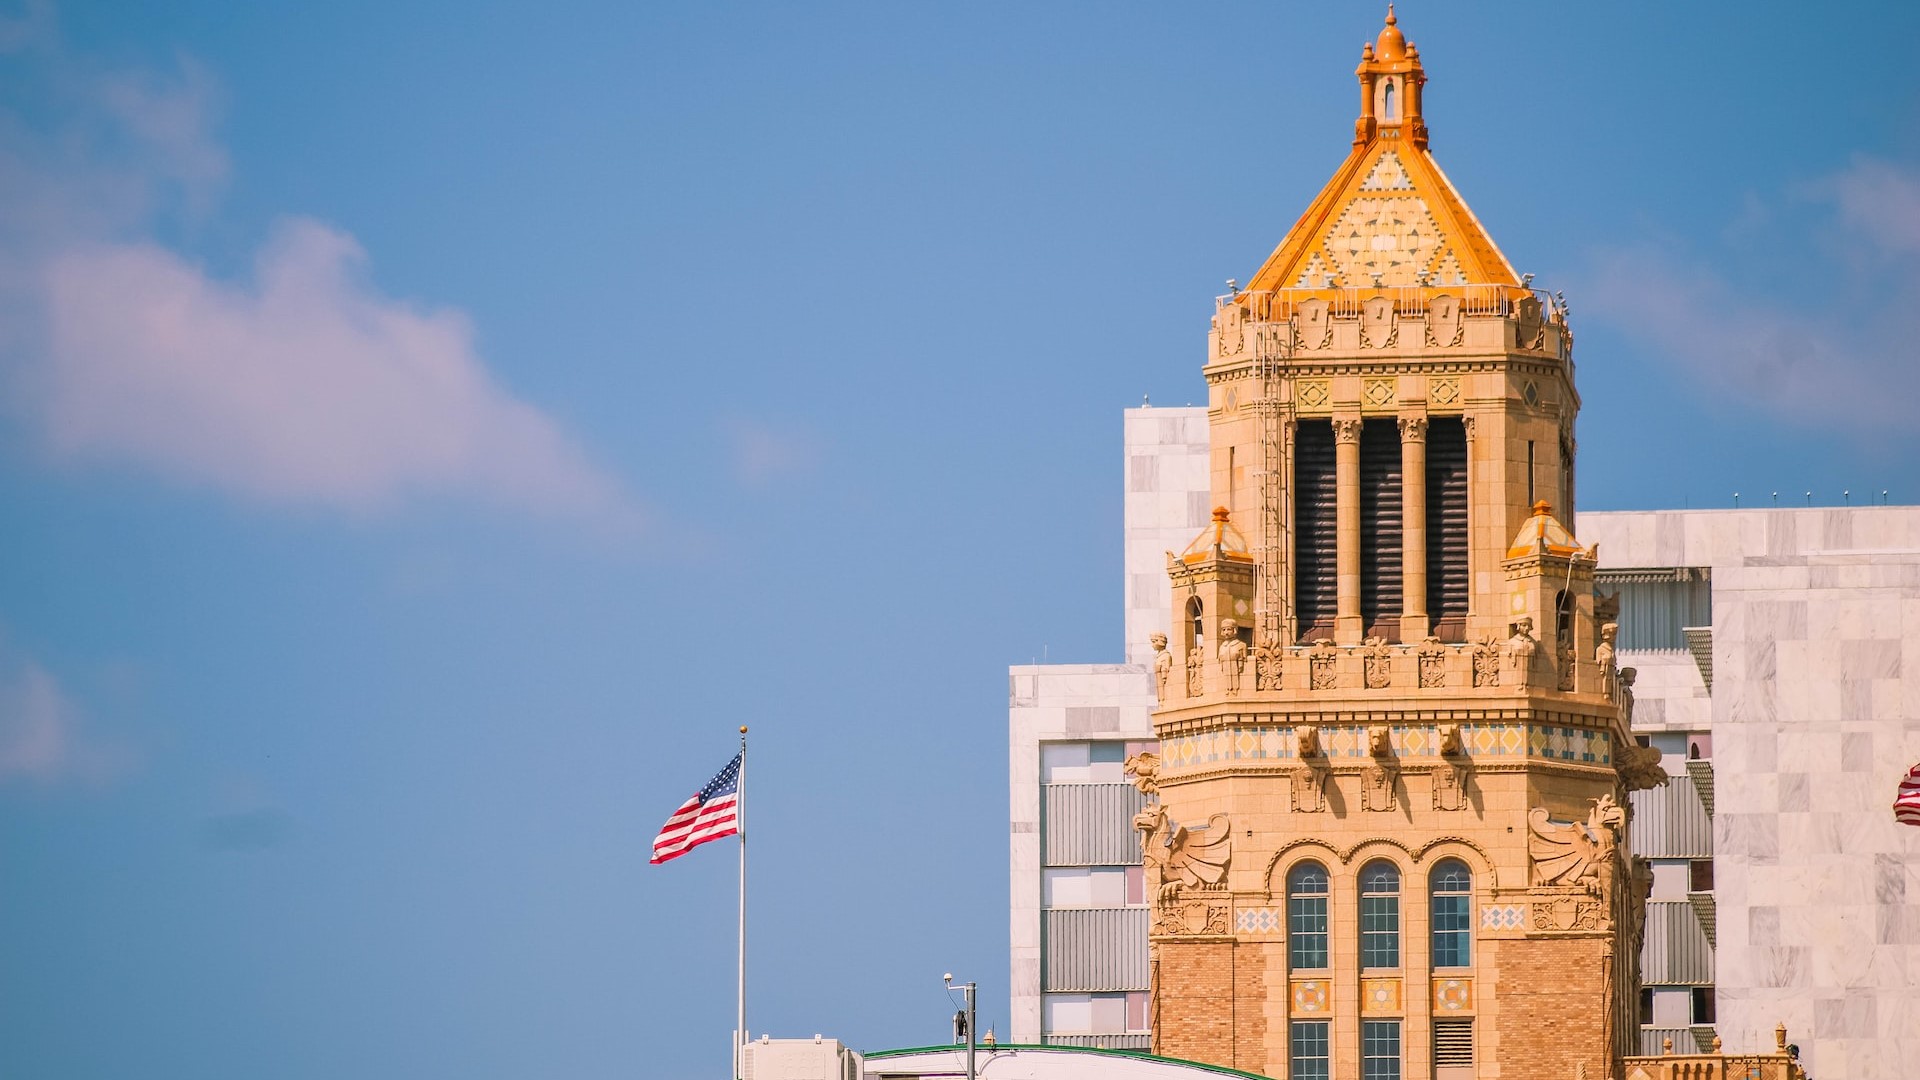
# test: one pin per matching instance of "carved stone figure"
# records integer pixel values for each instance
(1308, 779)
(1486, 662)
(1162, 665)
(1639, 888)
(1377, 791)
(1520, 649)
(1377, 663)
(1450, 775)
(1585, 854)
(1144, 767)
(1603, 656)
(1320, 664)
(1566, 667)
(1196, 679)
(1432, 662)
(1233, 655)
(1625, 694)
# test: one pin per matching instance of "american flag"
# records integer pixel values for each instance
(1906, 805)
(712, 813)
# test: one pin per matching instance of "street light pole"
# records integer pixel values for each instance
(973, 1040)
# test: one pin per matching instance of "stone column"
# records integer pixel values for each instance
(1414, 623)
(1348, 628)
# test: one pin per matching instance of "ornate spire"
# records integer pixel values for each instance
(1389, 218)
(1390, 80)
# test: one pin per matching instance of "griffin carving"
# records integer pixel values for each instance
(1177, 859)
(1578, 853)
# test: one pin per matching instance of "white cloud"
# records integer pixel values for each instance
(42, 735)
(299, 384)
(302, 385)
(1823, 342)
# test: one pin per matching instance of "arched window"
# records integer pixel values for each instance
(1388, 110)
(1452, 915)
(1307, 916)
(1199, 629)
(1379, 915)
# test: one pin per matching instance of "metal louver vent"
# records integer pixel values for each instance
(1380, 528)
(1447, 527)
(1315, 541)
(1452, 1042)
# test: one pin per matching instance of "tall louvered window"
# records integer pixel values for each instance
(1447, 526)
(1315, 538)
(1380, 513)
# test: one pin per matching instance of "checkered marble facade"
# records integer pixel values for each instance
(1813, 715)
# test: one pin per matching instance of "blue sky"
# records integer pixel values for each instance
(429, 430)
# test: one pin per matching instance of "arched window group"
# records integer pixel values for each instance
(1449, 911)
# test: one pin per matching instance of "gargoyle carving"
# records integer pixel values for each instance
(1306, 741)
(1308, 779)
(1377, 793)
(1585, 854)
(1640, 767)
(1144, 767)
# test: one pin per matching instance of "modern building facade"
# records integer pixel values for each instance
(1352, 872)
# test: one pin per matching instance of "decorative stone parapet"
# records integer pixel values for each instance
(1782, 1064)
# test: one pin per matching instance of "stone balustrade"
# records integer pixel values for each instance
(1779, 1065)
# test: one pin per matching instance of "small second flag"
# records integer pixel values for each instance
(713, 812)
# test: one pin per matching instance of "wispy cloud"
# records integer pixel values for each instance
(1810, 323)
(764, 454)
(43, 736)
(300, 383)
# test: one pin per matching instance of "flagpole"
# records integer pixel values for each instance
(740, 1003)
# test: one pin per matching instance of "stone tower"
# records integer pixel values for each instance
(1387, 835)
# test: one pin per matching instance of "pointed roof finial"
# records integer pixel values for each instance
(1392, 44)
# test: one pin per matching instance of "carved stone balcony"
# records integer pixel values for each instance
(1779, 1065)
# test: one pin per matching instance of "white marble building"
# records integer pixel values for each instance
(1812, 718)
